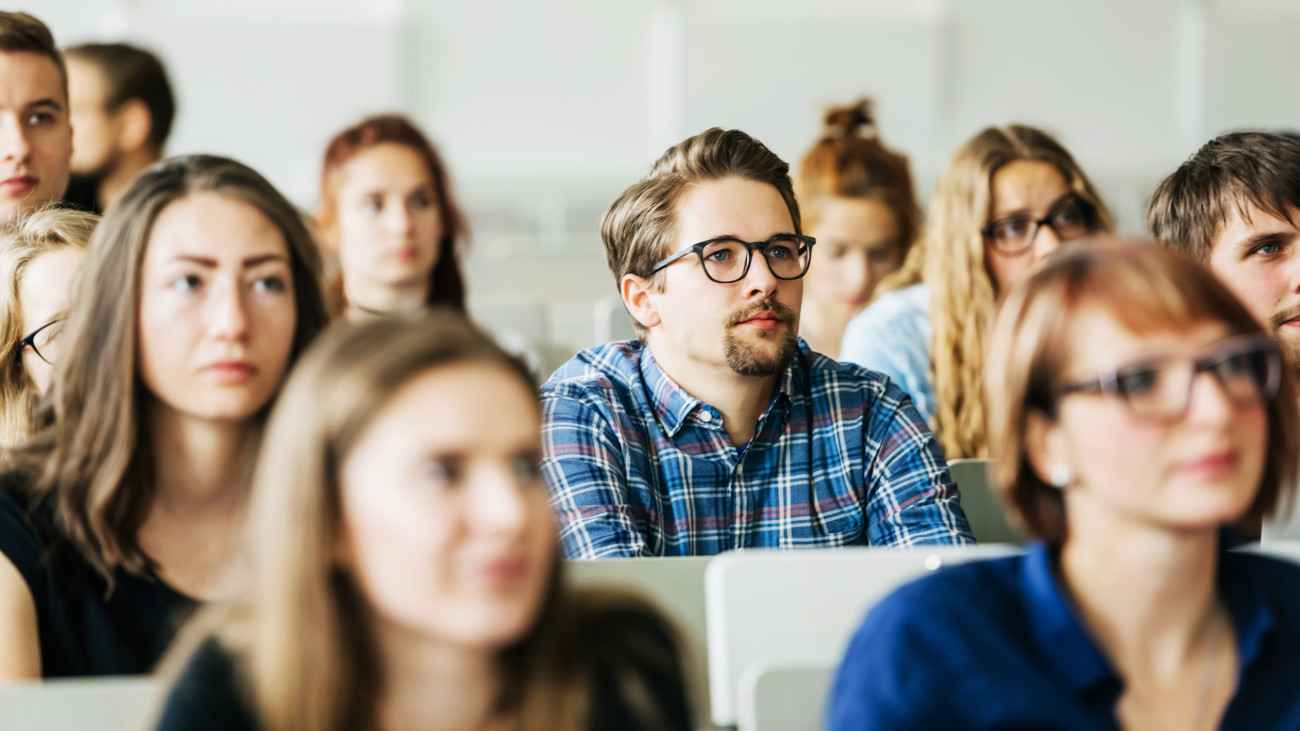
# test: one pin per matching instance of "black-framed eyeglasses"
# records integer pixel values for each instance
(1071, 217)
(726, 259)
(1247, 367)
(44, 340)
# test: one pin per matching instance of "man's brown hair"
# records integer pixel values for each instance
(133, 73)
(641, 223)
(1235, 171)
(22, 33)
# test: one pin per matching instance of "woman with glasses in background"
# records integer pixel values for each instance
(420, 587)
(39, 254)
(127, 506)
(1008, 197)
(387, 213)
(1143, 422)
(857, 202)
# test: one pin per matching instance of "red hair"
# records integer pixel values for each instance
(446, 285)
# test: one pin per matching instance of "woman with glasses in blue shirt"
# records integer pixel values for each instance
(1142, 422)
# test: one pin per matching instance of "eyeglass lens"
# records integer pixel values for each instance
(1164, 389)
(45, 341)
(727, 260)
(1069, 220)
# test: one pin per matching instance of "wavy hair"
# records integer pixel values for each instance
(91, 456)
(963, 297)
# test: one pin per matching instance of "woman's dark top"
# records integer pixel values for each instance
(84, 630)
(997, 645)
(212, 693)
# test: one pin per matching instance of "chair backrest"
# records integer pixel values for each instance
(108, 704)
(983, 510)
(1284, 527)
(782, 697)
(676, 587)
(612, 321)
(801, 607)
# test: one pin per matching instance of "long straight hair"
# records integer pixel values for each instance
(953, 262)
(91, 458)
(300, 636)
(21, 242)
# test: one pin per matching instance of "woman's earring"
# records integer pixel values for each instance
(1060, 477)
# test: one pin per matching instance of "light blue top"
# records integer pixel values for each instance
(892, 336)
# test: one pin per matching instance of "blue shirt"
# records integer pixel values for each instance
(893, 336)
(995, 645)
(639, 467)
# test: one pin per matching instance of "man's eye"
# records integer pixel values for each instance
(1267, 249)
(39, 118)
(718, 255)
(779, 251)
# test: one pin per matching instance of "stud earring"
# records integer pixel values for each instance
(1061, 477)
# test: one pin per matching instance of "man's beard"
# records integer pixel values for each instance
(756, 361)
(1290, 349)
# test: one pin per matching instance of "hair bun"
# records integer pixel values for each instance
(848, 121)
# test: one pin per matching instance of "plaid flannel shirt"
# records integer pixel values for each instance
(638, 467)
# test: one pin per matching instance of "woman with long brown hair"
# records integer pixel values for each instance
(39, 256)
(127, 507)
(419, 587)
(387, 213)
(857, 201)
(1008, 197)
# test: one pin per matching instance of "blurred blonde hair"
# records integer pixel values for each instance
(954, 265)
(300, 636)
(21, 242)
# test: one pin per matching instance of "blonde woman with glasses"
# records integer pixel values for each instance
(1136, 466)
(1009, 196)
(39, 254)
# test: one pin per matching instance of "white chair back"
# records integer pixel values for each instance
(983, 509)
(107, 704)
(782, 697)
(1283, 527)
(801, 607)
(676, 587)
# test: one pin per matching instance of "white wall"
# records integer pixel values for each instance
(546, 110)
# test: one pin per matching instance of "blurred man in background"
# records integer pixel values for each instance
(35, 135)
(122, 110)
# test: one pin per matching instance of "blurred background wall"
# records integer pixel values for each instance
(545, 111)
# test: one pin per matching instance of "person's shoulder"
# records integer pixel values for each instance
(854, 384)
(209, 693)
(1278, 576)
(23, 535)
(605, 368)
(972, 594)
(890, 307)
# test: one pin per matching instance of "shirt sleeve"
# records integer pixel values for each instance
(912, 500)
(206, 696)
(583, 469)
(20, 542)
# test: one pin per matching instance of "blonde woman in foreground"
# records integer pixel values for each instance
(1136, 465)
(39, 255)
(405, 565)
(1009, 196)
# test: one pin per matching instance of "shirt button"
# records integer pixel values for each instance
(706, 417)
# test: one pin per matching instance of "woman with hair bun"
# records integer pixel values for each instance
(857, 201)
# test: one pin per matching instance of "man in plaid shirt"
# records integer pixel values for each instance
(719, 428)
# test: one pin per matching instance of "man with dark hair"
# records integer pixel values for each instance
(719, 428)
(35, 135)
(122, 112)
(1235, 207)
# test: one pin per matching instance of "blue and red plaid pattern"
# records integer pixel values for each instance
(638, 467)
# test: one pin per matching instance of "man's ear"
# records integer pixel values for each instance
(1045, 446)
(638, 296)
(134, 124)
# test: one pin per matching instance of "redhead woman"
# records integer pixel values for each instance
(127, 507)
(39, 255)
(857, 201)
(1136, 465)
(420, 587)
(1009, 196)
(387, 212)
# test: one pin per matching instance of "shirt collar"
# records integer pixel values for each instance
(673, 405)
(1059, 630)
